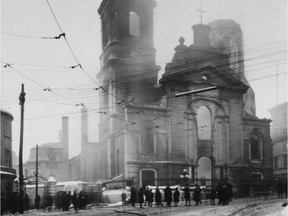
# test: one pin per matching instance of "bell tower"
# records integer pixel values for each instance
(128, 66)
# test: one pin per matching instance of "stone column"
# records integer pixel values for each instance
(52, 189)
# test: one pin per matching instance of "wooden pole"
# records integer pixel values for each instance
(21, 182)
(36, 174)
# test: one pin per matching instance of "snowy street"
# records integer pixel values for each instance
(239, 207)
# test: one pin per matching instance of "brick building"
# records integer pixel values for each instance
(279, 136)
(149, 135)
(8, 174)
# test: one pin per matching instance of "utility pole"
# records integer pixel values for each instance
(21, 182)
(36, 174)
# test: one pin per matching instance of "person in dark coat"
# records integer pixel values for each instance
(280, 188)
(123, 197)
(220, 194)
(84, 196)
(197, 193)
(230, 191)
(225, 195)
(150, 198)
(187, 196)
(37, 202)
(14, 203)
(26, 202)
(168, 195)
(75, 201)
(133, 196)
(68, 200)
(176, 196)
(141, 197)
(80, 200)
(158, 197)
(213, 196)
(146, 193)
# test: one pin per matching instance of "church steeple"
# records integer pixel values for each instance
(128, 53)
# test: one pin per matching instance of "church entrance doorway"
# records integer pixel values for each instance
(148, 178)
(204, 171)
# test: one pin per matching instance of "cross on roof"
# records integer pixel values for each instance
(201, 12)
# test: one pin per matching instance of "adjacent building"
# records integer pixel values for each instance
(279, 136)
(8, 174)
(148, 134)
(53, 157)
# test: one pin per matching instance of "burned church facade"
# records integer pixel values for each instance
(149, 131)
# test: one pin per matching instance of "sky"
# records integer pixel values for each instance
(40, 62)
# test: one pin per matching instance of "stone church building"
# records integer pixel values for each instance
(150, 132)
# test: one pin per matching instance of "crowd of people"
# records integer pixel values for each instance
(145, 196)
(79, 201)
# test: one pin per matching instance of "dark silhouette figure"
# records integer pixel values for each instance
(158, 197)
(280, 188)
(168, 195)
(133, 196)
(220, 194)
(225, 195)
(75, 201)
(123, 198)
(176, 196)
(141, 197)
(150, 198)
(37, 202)
(84, 200)
(146, 193)
(213, 196)
(2, 203)
(230, 191)
(26, 202)
(197, 193)
(187, 196)
(63, 201)
(68, 201)
(14, 203)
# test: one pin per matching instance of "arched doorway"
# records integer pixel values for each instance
(204, 171)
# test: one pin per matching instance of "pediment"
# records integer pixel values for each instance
(208, 74)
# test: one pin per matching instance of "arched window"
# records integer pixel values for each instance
(134, 24)
(204, 123)
(255, 147)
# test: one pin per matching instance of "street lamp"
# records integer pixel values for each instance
(184, 175)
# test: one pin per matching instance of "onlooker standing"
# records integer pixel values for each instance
(133, 196)
(197, 193)
(220, 193)
(213, 196)
(187, 196)
(158, 197)
(26, 202)
(168, 195)
(150, 198)
(146, 193)
(75, 201)
(141, 197)
(176, 196)
(123, 197)
(37, 202)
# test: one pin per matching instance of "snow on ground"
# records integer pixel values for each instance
(240, 207)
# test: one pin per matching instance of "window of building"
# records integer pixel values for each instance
(134, 24)
(147, 140)
(7, 128)
(204, 123)
(255, 147)
(256, 176)
(7, 158)
(117, 162)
